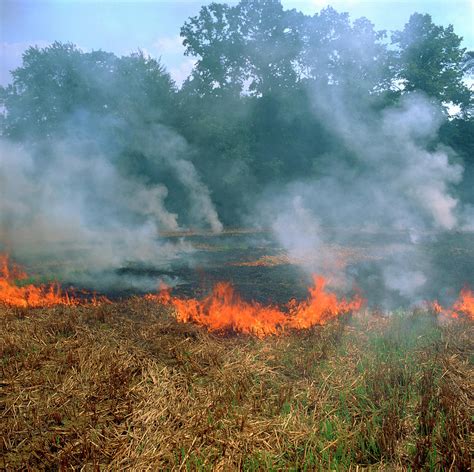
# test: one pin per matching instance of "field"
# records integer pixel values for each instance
(240, 237)
(261, 269)
(124, 386)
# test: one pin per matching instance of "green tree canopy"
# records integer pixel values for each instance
(60, 80)
(340, 52)
(250, 47)
(430, 59)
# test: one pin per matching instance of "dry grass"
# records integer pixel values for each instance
(123, 386)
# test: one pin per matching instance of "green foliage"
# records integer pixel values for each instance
(56, 82)
(430, 59)
(252, 45)
(340, 52)
(246, 112)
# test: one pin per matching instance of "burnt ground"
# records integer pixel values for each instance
(261, 270)
(447, 262)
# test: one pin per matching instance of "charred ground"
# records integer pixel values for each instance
(262, 270)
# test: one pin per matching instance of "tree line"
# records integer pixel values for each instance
(245, 116)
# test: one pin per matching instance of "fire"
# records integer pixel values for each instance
(463, 306)
(224, 310)
(465, 303)
(30, 295)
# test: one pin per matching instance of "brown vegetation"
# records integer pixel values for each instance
(124, 386)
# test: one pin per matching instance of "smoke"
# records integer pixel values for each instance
(386, 191)
(164, 148)
(97, 171)
(67, 202)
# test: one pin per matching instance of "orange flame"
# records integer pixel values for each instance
(31, 295)
(224, 310)
(463, 306)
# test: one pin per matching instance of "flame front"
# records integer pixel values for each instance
(465, 303)
(462, 307)
(224, 310)
(30, 295)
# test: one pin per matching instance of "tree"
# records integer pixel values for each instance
(213, 38)
(47, 87)
(430, 59)
(271, 45)
(56, 83)
(248, 48)
(338, 52)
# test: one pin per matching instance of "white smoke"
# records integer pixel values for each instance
(201, 202)
(165, 147)
(78, 209)
(391, 180)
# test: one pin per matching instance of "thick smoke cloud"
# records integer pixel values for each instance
(68, 202)
(390, 185)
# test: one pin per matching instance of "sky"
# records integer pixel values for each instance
(153, 26)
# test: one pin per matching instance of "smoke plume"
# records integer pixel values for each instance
(388, 191)
(68, 203)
